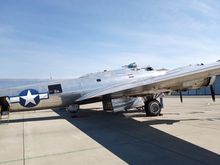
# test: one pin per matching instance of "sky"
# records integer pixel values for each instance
(70, 38)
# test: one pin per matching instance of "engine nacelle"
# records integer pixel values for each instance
(125, 103)
(199, 83)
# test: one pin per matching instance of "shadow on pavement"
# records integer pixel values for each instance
(137, 142)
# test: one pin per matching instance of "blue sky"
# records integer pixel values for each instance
(69, 38)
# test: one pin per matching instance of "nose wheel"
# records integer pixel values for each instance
(152, 107)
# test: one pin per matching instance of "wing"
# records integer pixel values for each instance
(178, 79)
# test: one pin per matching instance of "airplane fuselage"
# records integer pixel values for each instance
(62, 93)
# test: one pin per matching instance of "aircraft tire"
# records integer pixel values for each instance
(152, 108)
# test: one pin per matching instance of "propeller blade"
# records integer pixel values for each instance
(212, 92)
(181, 97)
(161, 102)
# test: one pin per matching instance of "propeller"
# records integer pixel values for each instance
(212, 92)
(181, 97)
(161, 102)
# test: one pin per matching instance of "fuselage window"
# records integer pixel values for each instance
(98, 80)
(53, 89)
(149, 69)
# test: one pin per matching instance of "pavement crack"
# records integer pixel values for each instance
(23, 138)
(64, 153)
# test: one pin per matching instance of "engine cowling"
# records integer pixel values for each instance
(199, 83)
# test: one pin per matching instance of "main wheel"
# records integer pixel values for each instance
(152, 108)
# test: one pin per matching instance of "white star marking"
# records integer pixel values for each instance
(29, 98)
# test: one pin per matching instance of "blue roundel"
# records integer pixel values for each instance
(29, 98)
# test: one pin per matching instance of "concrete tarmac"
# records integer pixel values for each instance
(187, 133)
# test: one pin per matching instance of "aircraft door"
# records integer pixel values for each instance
(54, 89)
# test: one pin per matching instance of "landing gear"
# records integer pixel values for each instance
(152, 107)
(73, 108)
(4, 106)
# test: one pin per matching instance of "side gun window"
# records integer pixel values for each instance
(53, 89)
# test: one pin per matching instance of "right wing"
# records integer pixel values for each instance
(177, 79)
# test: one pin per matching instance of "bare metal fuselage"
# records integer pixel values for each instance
(73, 89)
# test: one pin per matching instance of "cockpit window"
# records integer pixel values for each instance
(132, 65)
